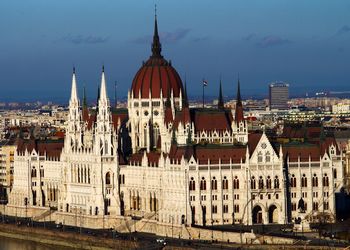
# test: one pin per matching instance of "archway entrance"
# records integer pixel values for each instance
(273, 214)
(257, 215)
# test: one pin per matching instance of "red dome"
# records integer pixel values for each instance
(156, 75)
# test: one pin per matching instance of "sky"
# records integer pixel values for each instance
(304, 43)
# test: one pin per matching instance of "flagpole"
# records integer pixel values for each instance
(203, 92)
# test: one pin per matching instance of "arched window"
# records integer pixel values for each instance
(267, 157)
(314, 181)
(261, 182)
(192, 184)
(145, 135)
(325, 180)
(253, 183)
(268, 182)
(33, 173)
(214, 184)
(225, 183)
(108, 178)
(276, 182)
(156, 134)
(303, 181)
(260, 157)
(236, 183)
(203, 184)
(293, 181)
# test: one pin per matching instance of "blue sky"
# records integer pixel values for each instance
(305, 43)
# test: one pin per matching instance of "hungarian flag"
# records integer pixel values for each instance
(205, 82)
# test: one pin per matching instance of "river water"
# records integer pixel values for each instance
(14, 244)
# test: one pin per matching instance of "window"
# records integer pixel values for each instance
(314, 181)
(304, 194)
(253, 183)
(277, 196)
(224, 183)
(261, 182)
(315, 194)
(276, 182)
(303, 181)
(294, 206)
(267, 157)
(326, 205)
(214, 184)
(214, 209)
(334, 173)
(236, 197)
(315, 206)
(260, 157)
(236, 208)
(293, 181)
(325, 180)
(156, 134)
(225, 209)
(268, 182)
(108, 178)
(236, 183)
(203, 184)
(192, 184)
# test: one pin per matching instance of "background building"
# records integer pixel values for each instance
(278, 95)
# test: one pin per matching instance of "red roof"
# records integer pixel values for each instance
(212, 120)
(156, 75)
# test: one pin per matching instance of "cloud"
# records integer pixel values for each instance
(249, 37)
(271, 41)
(200, 39)
(343, 30)
(80, 39)
(166, 37)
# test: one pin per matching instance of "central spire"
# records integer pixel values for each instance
(156, 46)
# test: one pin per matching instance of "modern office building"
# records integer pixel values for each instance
(278, 95)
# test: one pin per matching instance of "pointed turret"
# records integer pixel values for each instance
(103, 93)
(74, 92)
(156, 46)
(239, 107)
(84, 98)
(221, 99)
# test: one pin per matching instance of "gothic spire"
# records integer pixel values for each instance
(103, 93)
(184, 97)
(74, 93)
(84, 98)
(239, 100)
(156, 46)
(221, 99)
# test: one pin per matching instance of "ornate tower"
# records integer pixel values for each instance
(239, 125)
(156, 94)
(73, 139)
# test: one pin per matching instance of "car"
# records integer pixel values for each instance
(161, 241)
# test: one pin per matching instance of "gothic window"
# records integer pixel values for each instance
(303, 181)
(225, 183)
(33, 173)
(293, 181)
(334, 173)
(89, 175)
(108, 178)
(192, 184)
(214, 184)
(315, 206)
(203, 184)
(277, 182)
(78, 175)
(267, 157)
(314, 181)
(235, 183)
(214, 209)
(325, 180)
(260, 157)
(268, 182)
(261, 182)
(145, 135)
(253, 183)
(156, 133)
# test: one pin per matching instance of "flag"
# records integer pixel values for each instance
(205, 83)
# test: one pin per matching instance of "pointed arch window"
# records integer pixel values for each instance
(267, 157)
(156, 133)
(236, 183)
(145, 135)
(253, 183)
(203, 184)
(192, 184)
(214, 184)
(268, 182)
(225, 183)
(276, 182)
(261, 182)
(303, 181)
(108, 178)
(260, 157)
(293, 181)
(325, 180)
(315, 181)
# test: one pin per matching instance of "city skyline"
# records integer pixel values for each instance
(41, 44)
